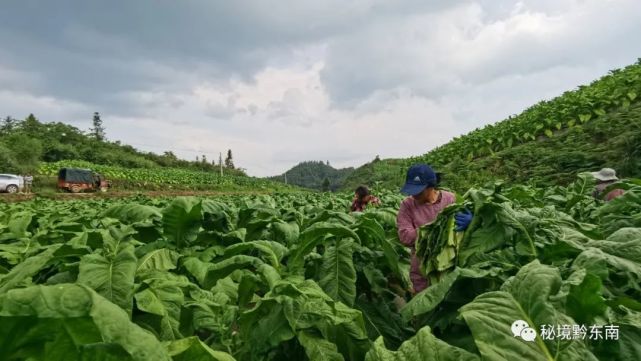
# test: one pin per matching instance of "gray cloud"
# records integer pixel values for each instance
(293, 80)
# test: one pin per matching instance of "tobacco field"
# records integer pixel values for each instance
(298, 277)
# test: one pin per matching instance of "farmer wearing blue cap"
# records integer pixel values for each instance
(424, 203)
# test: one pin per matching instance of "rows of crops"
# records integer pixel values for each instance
(618, 90)
(142, 177)
(295, 277)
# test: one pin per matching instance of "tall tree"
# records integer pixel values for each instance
(229, 161)
(325, 185)
(31, 126)
(8, 125)
(170, 155)
(25, 150)
(98, 130)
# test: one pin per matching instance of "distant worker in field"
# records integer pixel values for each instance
(362, 198)
(424, 203)
(28, 183)
(606, 177)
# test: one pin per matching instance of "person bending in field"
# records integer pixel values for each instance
(424, 203)
(605, 177)
(28, 183)
(362, 198)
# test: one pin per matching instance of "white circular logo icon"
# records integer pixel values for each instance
(528, 334)
(518, 326)
(522, 329)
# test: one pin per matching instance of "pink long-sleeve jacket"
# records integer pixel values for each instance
(410, 217)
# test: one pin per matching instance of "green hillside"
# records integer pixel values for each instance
(585, 129)
(312, 174)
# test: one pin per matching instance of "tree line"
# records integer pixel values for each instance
(24, 143)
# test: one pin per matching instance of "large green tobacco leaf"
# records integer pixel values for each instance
(19, 224)
(208, 274)
(526, 297)
(428, 299)
(112, 276)
(192, 349)
(196, 268)
(317, 348)
(272, 251)
(217, 216)
(294, 305)
(27, 269)
(422, 347)
(268, 274)
(162, 296)
(621, 252)
(385, 216)
(628, 345)
(70, 322)
(17, 252)
(337, 275)
(286, 233)
(382, 319)
(373, 235)
(265, 326)
(484, 240)
(584, 301)
(131, 213)
(313, 236)
(369, 230)
(337, 323)
(159, 260)
(182, 220)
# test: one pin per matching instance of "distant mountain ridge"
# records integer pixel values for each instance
(312, 174)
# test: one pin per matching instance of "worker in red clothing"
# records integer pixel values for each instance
(362, 198)
(605, 177)
(423, 205)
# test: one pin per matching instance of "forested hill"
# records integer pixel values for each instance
(315, 175)
(597, 125)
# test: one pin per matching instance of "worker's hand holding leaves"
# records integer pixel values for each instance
(463, 220)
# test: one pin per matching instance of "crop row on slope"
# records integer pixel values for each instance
(150, 177)
(612, 141)
(594, 126)
(617, 90)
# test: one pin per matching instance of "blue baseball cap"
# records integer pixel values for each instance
(419, 177)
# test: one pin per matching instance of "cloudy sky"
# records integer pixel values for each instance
(284, 81)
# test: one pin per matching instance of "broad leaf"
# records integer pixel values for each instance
(133, 213)
(491, 315)
(337, 275)
(162, 296)
(192, 349)
(26, 269)
(74, 319)
(317, 348)
(159, 260)
(313, 236)
(111, 276)
(429, 299)
(422, 347)
(286, 233)
(182, 220)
